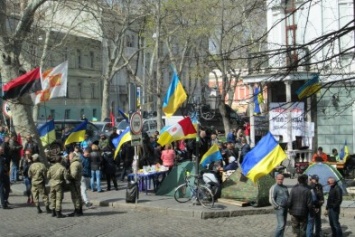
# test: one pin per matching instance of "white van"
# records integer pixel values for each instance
(150, 125)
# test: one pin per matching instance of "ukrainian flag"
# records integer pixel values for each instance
(174, 97)
(78, 134)
(213, 154)
(344, 152)
(125, 136)
(309, 88)
(263, 158)
(124, 115)
(47, 133)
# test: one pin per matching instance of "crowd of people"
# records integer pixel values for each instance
(80, 168)
(304, 204)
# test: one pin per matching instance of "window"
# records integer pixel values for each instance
(82, 113)
(67, 114)
(92, 90)
(346, 15)
(92, 58)
(94, 113)
(80, 90)
(52, 113)
(78, 55)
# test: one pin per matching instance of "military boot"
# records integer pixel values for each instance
(39, 210)
(53, 213)
(75, 213)
(80, 211)
(59, 214)
(48, 210)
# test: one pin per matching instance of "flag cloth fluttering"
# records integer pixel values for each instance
(258, 99)
(309, 88)
(124, 115)
(125, 136)
(177, 131)
(213, 154)
(175, 96)
(344, 152)
(263, 158)
(54, 84)
(29, 82)
(78, 134)
(47, 133)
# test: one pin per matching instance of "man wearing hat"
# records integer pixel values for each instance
(314, 219)
(38, 173)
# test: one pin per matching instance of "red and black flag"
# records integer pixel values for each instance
(29, 82)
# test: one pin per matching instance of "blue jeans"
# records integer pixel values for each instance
(334, 222)
(27, 182)
(310, 226)
(95, 176)
(281, 216)
(14, 172)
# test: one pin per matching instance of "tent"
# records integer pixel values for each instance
(175, 177)
(240, 188)
(324, 171)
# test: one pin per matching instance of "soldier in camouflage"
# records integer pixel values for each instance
(56, 176)
(74, 176)
(38, 174)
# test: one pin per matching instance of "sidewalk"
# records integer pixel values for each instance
(168, 206)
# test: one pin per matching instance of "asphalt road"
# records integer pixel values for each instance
(23, 220)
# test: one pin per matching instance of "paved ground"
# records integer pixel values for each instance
(152, 216)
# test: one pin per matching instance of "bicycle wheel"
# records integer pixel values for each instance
(205, 196)
(183, 193)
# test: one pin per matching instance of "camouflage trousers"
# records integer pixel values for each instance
(56, 197)
(37, 190)
(75, 194)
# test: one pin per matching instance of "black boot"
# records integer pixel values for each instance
(75, 213)
(59, 214)
(48, 210)
(39, 211)
(80, 211)
(53, 213)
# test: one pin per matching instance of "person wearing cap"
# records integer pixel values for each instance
(74, 176)
(103, 142)
(56, 176)
(314, 219)
(320, 156)
(38, 174)
(300, 204)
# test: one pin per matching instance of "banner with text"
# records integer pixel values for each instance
(278, 117)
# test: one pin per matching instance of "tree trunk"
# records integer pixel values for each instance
(105, 99)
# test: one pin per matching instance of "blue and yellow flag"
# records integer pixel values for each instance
(309, 88)
(78, 134)
(258, 99)
(47, 133)
(263, 158)
(344, 152)
(174, 97)
(124, 115)
(213, 154)
(125, 136)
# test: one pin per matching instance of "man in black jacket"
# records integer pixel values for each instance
(4, 179)
(335, 198)
(314, 219)
(299, 205)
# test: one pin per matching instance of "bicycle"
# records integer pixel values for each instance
(197, 191)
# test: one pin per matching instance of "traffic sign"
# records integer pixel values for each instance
(136, 140)
(6, 109)
(136, 123)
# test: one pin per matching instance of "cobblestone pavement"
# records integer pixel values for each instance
(23, 220)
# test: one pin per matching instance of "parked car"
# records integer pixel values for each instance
(104, 127)
(121, 126)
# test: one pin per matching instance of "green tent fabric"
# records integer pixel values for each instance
(175, 178)
(240, 188)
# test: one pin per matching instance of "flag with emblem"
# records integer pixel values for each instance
(54, 83)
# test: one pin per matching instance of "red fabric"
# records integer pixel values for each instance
(168, 157)
(19, 140)
(187, 126)
(29, 82)
(247, 129)
(112, 118)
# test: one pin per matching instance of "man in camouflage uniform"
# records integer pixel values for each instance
(38, 174)
(56, 175)
(74, 176)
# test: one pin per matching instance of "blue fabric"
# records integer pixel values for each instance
(231, 166)
(231, 137)
(95, 176)
(281, 216)
(334, 222)
(14, 172)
